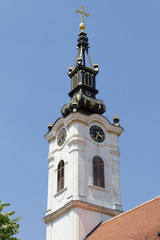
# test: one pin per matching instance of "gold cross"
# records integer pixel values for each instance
(82, 25)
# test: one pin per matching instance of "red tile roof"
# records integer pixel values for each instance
(140, 223)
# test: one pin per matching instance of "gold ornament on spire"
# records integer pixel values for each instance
(82, 26)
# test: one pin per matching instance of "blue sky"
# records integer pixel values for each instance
(37, 45)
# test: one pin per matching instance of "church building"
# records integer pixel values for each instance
(83, 160)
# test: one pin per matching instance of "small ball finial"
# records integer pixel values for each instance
(79, 60)
(116, 120)
(82, 26)
(50, 126)
(70, 69)
(96, 68)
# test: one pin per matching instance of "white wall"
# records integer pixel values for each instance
(77, 153)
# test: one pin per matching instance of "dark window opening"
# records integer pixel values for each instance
(88, 80)
(74, 81)
(60, 176)
(98, 172)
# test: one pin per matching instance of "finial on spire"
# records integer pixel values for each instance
(50, 126)
(116, 120)
(82, 26)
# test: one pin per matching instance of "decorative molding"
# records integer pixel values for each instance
(113, 160)
(51, 139)
(50, 159)
(115, 152)
(101, 145)
(98, 188)
(48, 211)
(60, 192)
(76, 141)
(83, 196)
(58, 149)
(77, 121)
(77, 136)
(118, 206)
(114, 129)
(71, 196)
(72, 140)
(86, 120)
(80, 204)
(76, 149)
(50, 136)
(113, 146)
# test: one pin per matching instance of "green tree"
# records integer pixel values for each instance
(9, 225)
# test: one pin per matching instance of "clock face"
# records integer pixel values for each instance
(61, 137)
(97, 133)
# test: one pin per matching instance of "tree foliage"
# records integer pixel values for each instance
(9, 225)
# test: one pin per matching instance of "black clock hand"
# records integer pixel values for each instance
(97, 135)
(100, 135)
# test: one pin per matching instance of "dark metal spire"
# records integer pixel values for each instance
(83, 80)
(83, 47)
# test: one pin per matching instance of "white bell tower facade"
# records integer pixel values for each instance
(83, 159)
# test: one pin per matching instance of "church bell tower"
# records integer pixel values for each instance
(83, 159)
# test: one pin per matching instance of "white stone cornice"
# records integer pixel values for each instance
(50, 137)
(79, 204)
(76, 144)
(76, 141)
(115, 129)
(50, 159)
(81, 142)
(84, 119)
(76, 149)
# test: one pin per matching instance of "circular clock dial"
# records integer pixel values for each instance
(61, 137)
(97, 133)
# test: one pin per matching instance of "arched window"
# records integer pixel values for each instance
(88, 79)
(98, 172)
(60, 176)
(74, 81)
